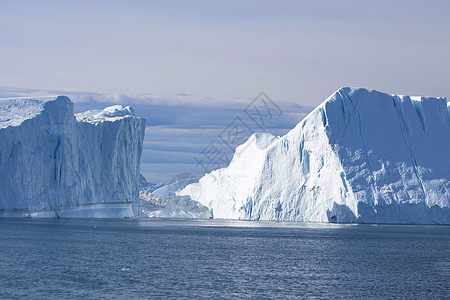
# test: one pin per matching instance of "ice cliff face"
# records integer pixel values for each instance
(55, 164)
(361, 156)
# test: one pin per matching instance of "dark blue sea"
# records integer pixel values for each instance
(155, 259)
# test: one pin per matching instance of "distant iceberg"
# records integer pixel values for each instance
(161, 201)
(57, 164)
(361, 156)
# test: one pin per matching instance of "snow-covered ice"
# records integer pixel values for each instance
(57, 164)
(179, 207)
(361, 156)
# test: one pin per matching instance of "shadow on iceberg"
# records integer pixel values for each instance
(341, 213)
(403, 213)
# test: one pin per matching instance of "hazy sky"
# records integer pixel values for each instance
(294, 50)
(196, 64)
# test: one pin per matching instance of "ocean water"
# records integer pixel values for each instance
(177, 259)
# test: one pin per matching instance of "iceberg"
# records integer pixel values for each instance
(175, 207)
(57, 164)
(161, 201)
(148, 187)
(361, 156)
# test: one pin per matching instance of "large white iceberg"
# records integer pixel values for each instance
(361, 156)
(57, 164)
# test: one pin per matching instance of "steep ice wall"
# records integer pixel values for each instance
(55, 164)
(361, 156)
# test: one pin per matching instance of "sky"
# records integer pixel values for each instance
(191, 67)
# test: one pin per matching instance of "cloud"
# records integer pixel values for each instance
(180, 128)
